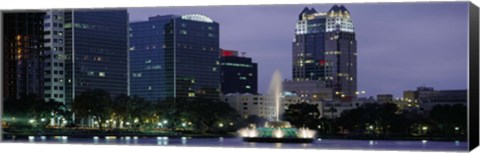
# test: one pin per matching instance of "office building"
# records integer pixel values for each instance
(54, 56)
(260, 105)
(175, 56)
(324, 48)
(425, 98)
(22, 54)
(95, 49)
(238, 73)
(309, 90)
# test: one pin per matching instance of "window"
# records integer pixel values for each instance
(46, 25)
(101, 74)
(47, 87)
(183, 32)
(90, 73)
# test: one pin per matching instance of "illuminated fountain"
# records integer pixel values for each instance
(277, 131)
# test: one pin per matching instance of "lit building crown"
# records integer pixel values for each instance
(338, 19)
(197, 17)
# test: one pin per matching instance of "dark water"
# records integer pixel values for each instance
(237, 142)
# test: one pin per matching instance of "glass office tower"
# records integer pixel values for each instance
(238, 73)
(96, 57)
(22, 54)
(175, 56)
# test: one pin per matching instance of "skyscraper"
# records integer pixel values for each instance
(23, 54)
(175, 56)
(238, 73)
(324, 48)
(96, 51)
(54, 56)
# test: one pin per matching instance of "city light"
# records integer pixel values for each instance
(424, 128)
(184, 124)
(220, 124)
(457, 128)
(165, 121)
(31, 121)
(43, 120)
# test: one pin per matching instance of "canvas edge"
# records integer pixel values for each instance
(473, 92)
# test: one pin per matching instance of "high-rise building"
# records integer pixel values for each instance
(147, 54)
(324, 48)
(96, 51)
(23, 54)
(54, 56)
(238, 73)
(175, 56)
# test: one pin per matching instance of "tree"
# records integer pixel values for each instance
(94, 103)
(302, 114)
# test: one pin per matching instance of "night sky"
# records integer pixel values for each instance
(400, 45)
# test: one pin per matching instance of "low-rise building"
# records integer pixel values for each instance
(309, 90)
(261, 105)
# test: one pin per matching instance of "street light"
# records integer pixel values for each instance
(31, 121)
(184, 124)
(220, 124)
(165, 121)
(457, 128)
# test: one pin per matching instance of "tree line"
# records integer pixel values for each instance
(383, 120)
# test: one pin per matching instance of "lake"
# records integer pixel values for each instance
(417, 145)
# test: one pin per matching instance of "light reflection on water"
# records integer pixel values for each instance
(237, 142)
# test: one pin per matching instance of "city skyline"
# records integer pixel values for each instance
(265, 33)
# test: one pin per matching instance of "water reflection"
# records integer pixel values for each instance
(426, 145)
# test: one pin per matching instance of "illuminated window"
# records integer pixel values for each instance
(90, 73)
(148, 61)
(248, 86)
(183, 32)
(101, 74)
(191, 94)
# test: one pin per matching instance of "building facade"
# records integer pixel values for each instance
(96, 57)
(54, 55)
(260, 105)
(147, 56)
(175, 56)
(324, 48)
(425, 98)
(384, 98)
(309, 91)
(238, 73)
(23, 54)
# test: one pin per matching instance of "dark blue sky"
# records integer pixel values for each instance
(400, 45)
